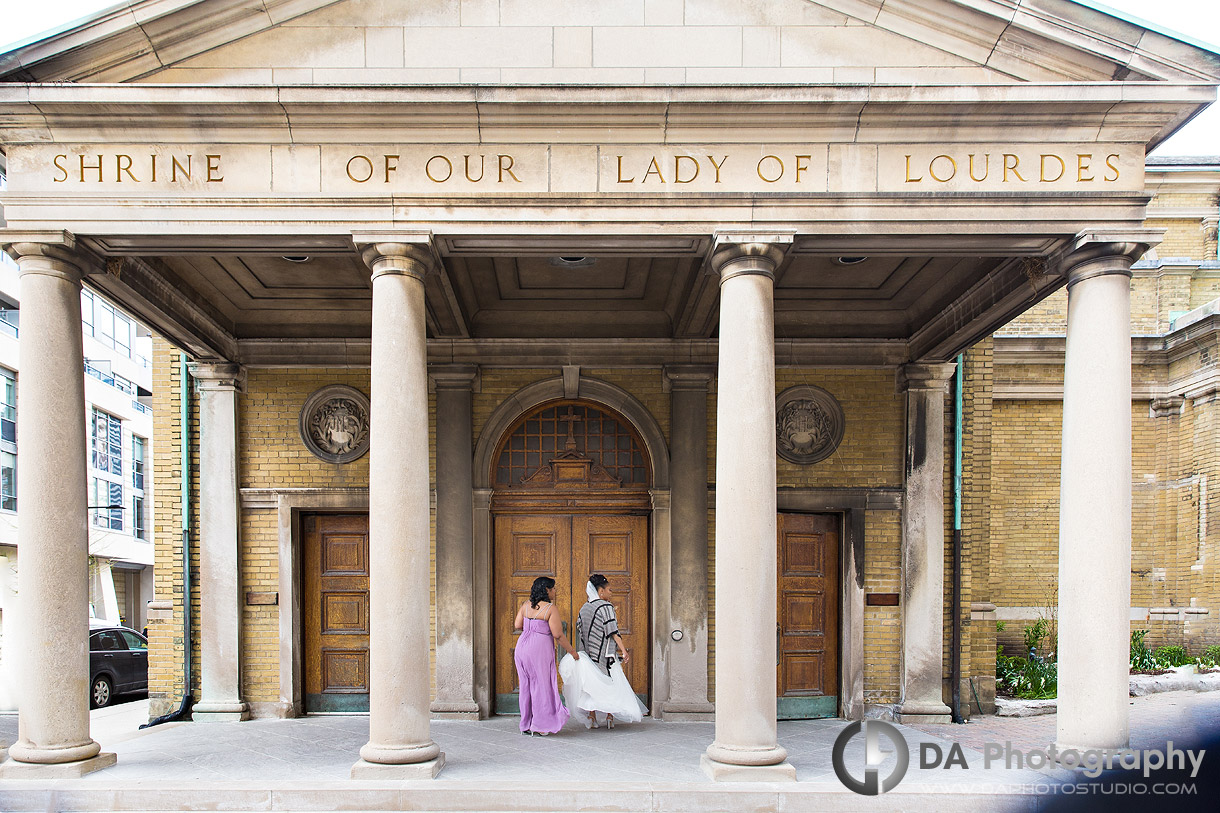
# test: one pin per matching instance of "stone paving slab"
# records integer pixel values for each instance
(304, 764)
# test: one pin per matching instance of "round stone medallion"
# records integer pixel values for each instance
(335, 424)
(808, 424)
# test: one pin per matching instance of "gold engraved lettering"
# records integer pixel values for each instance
(1111, 166)
(506, 168)
(214, 169)
(621, 179)
(1082, 166)
(801, 167)
(909, 178)
(653, 169)
(448, 169)
(186, 170)
(1042, 168)
(367, 163)
(760, 168)
(389, 167)
(932, 168)
(678, 159)
(1011, 165)
(717, 166)
(153, 161)
(84, 166)
(986, 167)
(122, 163)
(474, 180)
(61, 168)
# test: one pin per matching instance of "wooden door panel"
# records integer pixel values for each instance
(335, 590)
(526, 547)
(807, 613)
(616, 546)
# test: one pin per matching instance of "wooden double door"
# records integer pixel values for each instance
(335, 610)
(807, 674)
(568, 548)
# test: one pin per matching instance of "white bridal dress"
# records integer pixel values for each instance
(586, 689)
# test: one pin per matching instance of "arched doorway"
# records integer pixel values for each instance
(570, 497)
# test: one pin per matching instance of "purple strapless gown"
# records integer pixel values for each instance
(541, 709)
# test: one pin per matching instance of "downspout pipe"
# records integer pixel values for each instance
(183, 712)
(955, 658)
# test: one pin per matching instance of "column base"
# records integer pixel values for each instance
(12, 769)
(724, 772)
(220, 712)
(409, 770)
(687, 712)
(923, 713)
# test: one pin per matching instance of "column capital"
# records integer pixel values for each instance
(737, 253)
(1101, 252)
(921, 376)
(454, 377)
(52, 253)
(218, 376)
(408, 253)
(687, 377)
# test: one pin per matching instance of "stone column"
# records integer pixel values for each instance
(454, 541)
(219, 545)
(745, 747)
(687, 657)
(400, 745)
(1095, 498)
(53, 536)
(923, 544)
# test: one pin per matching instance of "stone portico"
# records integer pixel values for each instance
(467, 245)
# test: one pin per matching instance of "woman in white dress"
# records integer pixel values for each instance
(597, 685)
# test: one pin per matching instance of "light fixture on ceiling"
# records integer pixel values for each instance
(850, 260)
(573, 261)
(296, 258)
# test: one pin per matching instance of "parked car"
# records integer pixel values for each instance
(118, 663)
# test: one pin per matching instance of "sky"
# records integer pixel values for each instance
(1199, 19)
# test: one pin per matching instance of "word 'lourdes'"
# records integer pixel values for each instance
(943, 168)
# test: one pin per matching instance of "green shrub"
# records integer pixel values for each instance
(1032, 678)
(1210, 656)
(1141, 657)
(1167, 656)
(1034, 634)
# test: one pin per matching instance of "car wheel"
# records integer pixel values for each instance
(102, 692)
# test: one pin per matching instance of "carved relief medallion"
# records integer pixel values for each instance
(335, 424)
(808, 424)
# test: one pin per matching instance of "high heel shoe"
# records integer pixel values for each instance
(609, 721)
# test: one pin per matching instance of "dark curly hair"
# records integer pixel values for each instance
(598, 581)
(539, 591)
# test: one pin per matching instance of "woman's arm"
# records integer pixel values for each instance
(622, 648)
(552, 620)
(519, 621)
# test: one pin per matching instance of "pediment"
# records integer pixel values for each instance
(629, 42)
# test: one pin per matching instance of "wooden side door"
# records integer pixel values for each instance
(526, 547)
(616, 546)
(335, 576)
(808, 615)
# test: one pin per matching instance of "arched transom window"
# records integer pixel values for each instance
(594, 432)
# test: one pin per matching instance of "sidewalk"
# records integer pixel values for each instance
(303, 764)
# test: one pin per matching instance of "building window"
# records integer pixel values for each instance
(107, 461)
(8, 441)
(8, 481)
(100, 320)
(138, 525)
(137, 462)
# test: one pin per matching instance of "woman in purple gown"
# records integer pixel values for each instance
(542, 712)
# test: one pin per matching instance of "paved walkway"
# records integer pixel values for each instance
(304, 764)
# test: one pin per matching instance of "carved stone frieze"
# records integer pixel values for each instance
(809, 424)
(334, 424)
